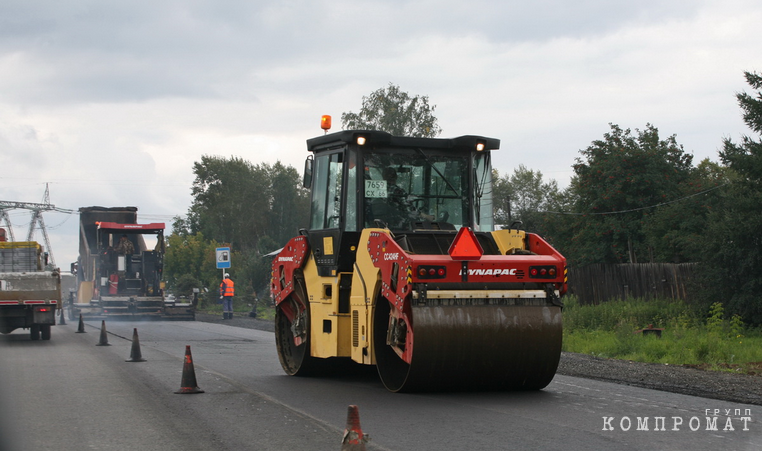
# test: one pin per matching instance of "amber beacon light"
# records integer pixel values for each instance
(325, 122)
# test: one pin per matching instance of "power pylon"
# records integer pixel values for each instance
(37, 210)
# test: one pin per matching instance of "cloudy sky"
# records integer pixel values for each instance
(111, 103)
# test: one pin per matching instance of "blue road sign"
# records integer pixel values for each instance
(223, 257)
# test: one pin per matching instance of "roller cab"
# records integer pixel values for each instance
(400, 268)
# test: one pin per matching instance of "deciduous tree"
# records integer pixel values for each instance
(254, 208)
(617, 183)
(394, 111)
(190, 255)
(524, 196)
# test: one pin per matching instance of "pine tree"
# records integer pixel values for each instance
(734, 253)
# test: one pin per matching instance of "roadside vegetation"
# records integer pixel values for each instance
(691, 336)
(242, 306)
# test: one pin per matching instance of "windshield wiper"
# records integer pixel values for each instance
(431, 165)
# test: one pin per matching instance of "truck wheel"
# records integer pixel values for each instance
(45, 329)
(34, 332)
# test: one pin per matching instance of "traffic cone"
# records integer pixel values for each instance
(81, 328)
(188, 384)
(354, 439)
(135, 355)
(62, 322)
(104, 336)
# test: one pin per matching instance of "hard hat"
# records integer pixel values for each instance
(227, 275)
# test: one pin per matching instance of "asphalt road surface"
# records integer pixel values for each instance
(68, 393)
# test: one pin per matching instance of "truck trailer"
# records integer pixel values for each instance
(30, 289)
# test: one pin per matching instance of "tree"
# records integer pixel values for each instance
(733, 247)
(523, 197)
(238, 203)
(676, 232)
(254, 208)
(230, 201)
(617, 182)
(289, 205)
(190, 256)
(394, 111)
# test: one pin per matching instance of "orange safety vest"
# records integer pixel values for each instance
(226, 288)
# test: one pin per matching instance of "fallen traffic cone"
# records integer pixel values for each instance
(135, 355)
(188, 385)
(354, 439)
(81, 328)
(104, 336)
(62, 322)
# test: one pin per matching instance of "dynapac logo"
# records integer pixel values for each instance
(391, 256)
(285, 259)
(490, 272)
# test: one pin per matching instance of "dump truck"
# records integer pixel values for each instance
(118, 274)
(401, 268)
(30, 289)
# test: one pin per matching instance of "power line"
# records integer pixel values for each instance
(130, 182)
(636, 209)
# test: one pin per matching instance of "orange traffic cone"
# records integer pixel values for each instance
(354, 439)
(104, 336)
(135, 355)
(63, 318)
(81, 328)
(188, 384)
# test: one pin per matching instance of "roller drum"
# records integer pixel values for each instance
(475, 347)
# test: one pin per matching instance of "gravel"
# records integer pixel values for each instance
(726, 386)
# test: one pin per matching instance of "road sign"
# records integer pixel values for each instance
(223, 257)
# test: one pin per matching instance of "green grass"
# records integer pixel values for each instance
(707, 340)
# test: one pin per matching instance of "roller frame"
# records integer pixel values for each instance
(398, 280)
(395, 298)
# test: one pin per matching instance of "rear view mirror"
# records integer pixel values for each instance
(307, 180)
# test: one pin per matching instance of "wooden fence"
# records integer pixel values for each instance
(594, 284)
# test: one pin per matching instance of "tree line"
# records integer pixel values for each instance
(252, 208)
(635, 197)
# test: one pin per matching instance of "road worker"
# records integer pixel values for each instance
(227, 291)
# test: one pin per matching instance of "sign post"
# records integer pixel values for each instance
(223, 259)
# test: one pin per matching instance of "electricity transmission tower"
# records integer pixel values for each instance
(37, 210)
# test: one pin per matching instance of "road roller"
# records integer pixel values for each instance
(402, 268)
